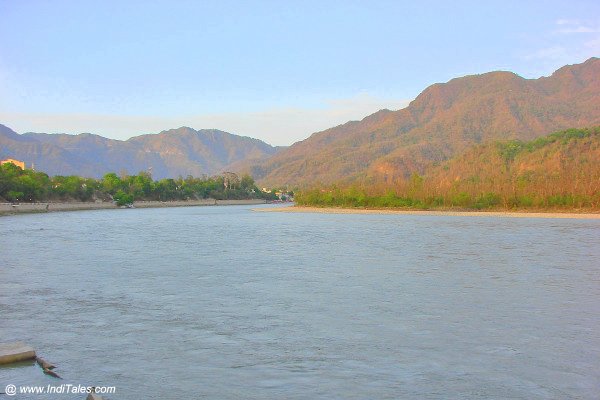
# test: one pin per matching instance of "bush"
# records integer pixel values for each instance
(487, 200)
(461, 199)
(14, 196)
(122, 198)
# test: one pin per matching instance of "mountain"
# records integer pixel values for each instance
(444, 120)
(388, 146)
(550, 172)
(171, 153)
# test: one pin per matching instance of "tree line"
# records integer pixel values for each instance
(18, 185)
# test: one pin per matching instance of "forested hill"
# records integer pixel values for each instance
(443, 121)
(561, 170)
(169, 154)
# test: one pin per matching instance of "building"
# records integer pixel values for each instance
(20, 164)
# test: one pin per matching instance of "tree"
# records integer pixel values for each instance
(247, 183)
(122, 198)
(111, 183)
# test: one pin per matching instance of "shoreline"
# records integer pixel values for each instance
(30, 208)
(509, 214)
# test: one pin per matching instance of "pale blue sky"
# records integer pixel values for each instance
(275, 70)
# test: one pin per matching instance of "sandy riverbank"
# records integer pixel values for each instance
(25, 208)
(511, 214)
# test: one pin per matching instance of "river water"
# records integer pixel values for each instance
(227, 303)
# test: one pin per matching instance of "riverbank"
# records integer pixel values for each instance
(511, 214)
(26, 208)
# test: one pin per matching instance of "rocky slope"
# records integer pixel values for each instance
(444, 120)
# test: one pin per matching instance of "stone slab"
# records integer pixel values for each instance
(14, 352)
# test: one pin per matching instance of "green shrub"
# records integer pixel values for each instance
(122, 198)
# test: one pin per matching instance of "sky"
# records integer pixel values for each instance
(274, 70)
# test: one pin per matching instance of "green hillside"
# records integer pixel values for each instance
(558, 171)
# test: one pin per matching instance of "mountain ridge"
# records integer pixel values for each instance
(386, 146)
(170, 153)
(440, 122)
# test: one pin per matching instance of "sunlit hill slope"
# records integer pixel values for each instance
(444, 120)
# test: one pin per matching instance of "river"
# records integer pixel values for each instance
(227, 303)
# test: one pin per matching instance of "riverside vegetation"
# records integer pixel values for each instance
(558, 171)
(18, 185)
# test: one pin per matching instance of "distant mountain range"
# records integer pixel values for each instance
(171, 153)
(442, 122)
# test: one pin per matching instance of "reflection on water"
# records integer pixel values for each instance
(222, 302)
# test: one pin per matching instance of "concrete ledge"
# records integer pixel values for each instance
(175, 203)
(9, 208)
(240, 202)
(14, 352)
